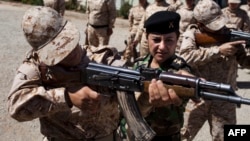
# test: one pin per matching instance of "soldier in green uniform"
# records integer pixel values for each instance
(166, 120)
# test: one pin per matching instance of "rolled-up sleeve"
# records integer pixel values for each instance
(29, 99)
(194, 54)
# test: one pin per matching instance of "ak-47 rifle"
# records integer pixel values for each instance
(229, 35)
(138, 80)
(130, 81)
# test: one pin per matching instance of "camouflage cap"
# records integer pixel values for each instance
(52, 37)
(209, 13)
(234, 1)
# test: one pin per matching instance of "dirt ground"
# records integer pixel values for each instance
(12, 51)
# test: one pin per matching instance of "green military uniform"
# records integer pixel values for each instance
(165, 121)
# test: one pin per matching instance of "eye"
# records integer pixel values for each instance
(169, 40)
(157, 40)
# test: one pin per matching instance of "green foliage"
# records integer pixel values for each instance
(71, 5)
(124, 11)
(74, 5)
(82, 9)
(33, 2)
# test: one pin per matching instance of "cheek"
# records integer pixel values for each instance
(152, 46)
(171, 45)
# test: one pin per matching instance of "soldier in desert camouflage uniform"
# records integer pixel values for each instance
(162, 34)
(41, 89)
(134, 18)
(246, 7)
(216, 62)
(237, 18)
(58, 5)
(158, 5)
(187, 18)
(47, 84)
(101, 20)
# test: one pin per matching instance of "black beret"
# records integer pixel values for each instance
(162, 22)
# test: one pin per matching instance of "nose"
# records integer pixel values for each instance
(162, 45)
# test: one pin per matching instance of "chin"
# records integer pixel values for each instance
(159, 59)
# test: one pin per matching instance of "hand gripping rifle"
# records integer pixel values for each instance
(229, 35)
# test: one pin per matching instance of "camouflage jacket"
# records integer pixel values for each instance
(101, 12)
(246, 8)
(187, 17)
(135, 16)
(165, 120)
(208, 63)
(237, 19)
(38, 95)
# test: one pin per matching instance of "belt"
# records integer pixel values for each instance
(174, 137)
(98, 26)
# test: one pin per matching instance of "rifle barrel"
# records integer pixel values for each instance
(233, 99)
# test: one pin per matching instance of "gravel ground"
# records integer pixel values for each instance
(12, 51)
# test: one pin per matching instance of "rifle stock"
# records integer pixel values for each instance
(181, 91)
(203, 39)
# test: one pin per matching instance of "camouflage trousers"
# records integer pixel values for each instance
(97, 36)
(58, 5)
(217, 113)
(144, 50)
(128, 52)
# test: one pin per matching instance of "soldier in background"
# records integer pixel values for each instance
(237, 18)
(246, 7)
(58, 5)
(134, 18)
(158, 5)
(101, 20)
(216, 62)
(187, 18)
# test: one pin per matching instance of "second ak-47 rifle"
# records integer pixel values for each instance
(229, 35)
